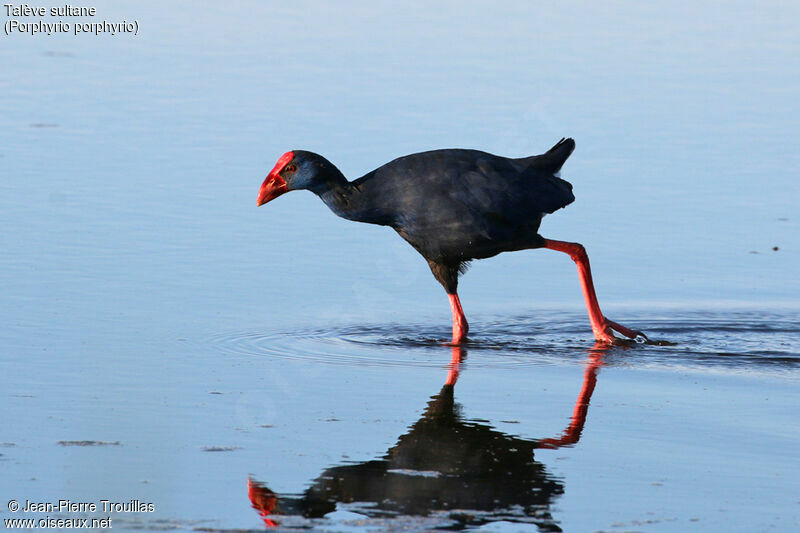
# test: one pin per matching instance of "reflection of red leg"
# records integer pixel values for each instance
(460, 326)
(455, 366)
(601, 326)
(572, 434)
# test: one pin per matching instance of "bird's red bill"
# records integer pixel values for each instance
(274, 185)
(263, 500)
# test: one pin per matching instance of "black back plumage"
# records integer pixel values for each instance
(465, 204)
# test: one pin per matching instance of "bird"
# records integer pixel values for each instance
(452, 206)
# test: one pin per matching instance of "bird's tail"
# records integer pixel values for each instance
(554, 158)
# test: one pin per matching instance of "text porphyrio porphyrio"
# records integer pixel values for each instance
(452, 206)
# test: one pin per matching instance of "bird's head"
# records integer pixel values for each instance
(297, 170)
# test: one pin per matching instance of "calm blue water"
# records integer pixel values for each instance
(149, 307)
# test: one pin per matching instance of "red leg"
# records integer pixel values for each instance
(601, 326)
(460, 326)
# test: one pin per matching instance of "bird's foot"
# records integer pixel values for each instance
(460, 329)
(630, 333)
(458, 339)
(605, 333)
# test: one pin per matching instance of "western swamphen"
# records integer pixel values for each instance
(452, 206)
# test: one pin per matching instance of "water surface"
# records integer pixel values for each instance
(165, 341)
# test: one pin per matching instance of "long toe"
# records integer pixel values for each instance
(630, 333)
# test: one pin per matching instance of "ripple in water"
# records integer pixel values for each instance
(726, 339)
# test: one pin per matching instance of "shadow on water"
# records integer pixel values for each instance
(458, 472)
(735, 341)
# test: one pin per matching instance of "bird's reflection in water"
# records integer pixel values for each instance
(467, 470)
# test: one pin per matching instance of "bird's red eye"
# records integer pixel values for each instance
(291, 168)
